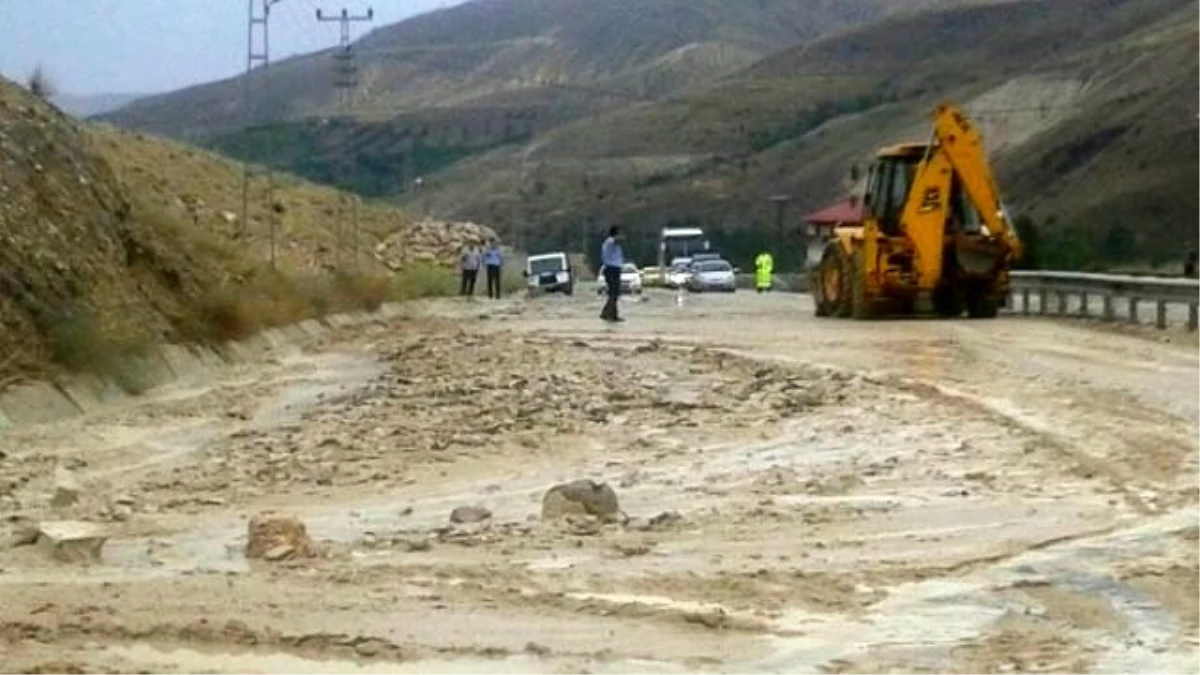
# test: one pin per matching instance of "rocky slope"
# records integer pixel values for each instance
(77, 246)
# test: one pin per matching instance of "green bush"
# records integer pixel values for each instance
(423, 280)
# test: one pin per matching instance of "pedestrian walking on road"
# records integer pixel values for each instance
(612, 259)
(493, 259)
(468, 262)
(764, 268)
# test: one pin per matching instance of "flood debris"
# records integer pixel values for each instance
(582, 498)
(72, 541)
(66, 489)
(274, 537)
(469, 514)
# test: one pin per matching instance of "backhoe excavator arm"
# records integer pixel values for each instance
(956, 150)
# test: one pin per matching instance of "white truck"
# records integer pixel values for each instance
(549, 273)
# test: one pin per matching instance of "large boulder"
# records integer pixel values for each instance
(273, 537)
(581, 498)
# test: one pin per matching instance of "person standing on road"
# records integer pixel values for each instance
(612, 259)
(469, 264)
(764, 267)
(493, 259)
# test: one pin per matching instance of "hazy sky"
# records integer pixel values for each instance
(147, 46)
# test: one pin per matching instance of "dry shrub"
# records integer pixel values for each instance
(79, 342)
(360, 291)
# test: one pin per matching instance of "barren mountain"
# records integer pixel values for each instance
(1088, 105)
(516, 54)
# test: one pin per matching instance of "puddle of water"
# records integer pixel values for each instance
(186, 660)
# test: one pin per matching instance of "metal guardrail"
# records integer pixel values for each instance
(1071, 292)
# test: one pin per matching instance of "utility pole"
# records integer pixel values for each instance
(345, 68)
(260, 24)
(345, 80)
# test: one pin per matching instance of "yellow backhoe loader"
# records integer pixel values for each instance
(935, 237)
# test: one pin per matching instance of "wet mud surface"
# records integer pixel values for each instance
(796, 496)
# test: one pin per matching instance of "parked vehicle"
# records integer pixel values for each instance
(707, 255)
(631, 281)
(549, 273)
(678, 242)
(935, 236)
(712, 275)
(679, 274)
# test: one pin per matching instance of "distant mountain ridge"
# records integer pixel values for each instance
(515, 53)
(86, 105)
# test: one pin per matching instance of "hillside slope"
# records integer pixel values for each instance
(1066, 106)
(516, 53)
(79, 253)
(110, 240)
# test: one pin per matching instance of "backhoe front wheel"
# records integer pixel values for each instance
(831, 288)
(860, 303)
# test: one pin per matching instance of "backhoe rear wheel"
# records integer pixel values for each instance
(947, 302)
(982, 305)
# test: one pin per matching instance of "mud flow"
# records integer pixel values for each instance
(733, 487)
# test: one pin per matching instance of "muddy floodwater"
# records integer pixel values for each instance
(796, 495)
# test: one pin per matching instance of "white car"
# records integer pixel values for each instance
(631, 281)
(679, 275)
(713, 275)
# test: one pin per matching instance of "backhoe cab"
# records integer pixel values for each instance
(934, 236)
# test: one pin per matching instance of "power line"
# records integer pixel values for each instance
(258, 24)
(345, 63)
(345, 81)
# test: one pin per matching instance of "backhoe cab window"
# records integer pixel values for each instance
(891, 180)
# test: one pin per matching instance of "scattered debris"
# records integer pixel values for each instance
(470, 514)
(665, 519)
(66, 489)
(72, 541)
(273, 537)
(581, 498)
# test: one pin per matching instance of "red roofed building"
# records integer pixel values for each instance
(820, 225)
(847, 212)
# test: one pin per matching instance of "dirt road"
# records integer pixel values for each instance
(797, 496)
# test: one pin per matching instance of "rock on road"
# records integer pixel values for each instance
(796, 494)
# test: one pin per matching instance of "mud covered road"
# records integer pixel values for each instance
(797, 495)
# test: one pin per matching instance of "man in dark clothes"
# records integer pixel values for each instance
(493, 260)
(612, 259)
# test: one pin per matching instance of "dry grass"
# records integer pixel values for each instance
(237, 311)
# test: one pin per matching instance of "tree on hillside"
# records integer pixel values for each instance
(1031, 241)
(40, 84)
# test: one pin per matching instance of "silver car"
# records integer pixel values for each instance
(712, 275)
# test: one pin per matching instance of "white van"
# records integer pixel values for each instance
(549, 273)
